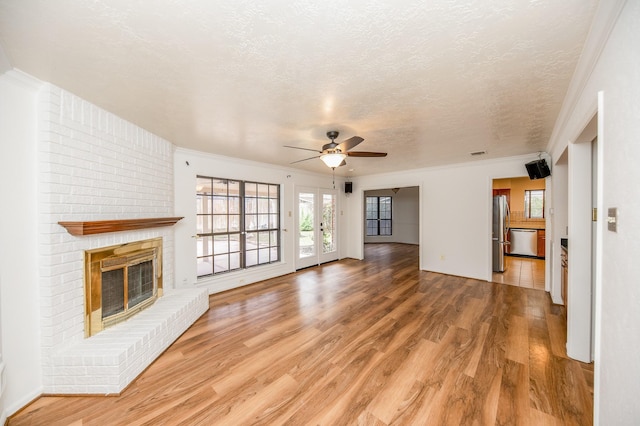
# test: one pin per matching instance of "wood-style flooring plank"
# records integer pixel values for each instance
(374, 342)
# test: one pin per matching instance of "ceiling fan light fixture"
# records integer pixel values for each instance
(334, 159)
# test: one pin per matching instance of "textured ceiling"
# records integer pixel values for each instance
(428, 81)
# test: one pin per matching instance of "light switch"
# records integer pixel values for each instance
(612, 219)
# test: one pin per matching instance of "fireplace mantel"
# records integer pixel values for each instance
(104, 226)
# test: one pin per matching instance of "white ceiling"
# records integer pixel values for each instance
(428, 81)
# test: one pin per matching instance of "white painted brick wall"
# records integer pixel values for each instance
(107, 362)
(92, 166)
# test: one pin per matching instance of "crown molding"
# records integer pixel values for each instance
(604, 21)
(23, 79)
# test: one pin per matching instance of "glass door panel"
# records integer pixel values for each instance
(329, 226)
(316, 227)
(307, 253)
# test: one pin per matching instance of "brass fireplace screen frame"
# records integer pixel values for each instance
(109, 258)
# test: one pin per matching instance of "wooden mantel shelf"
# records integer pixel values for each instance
(103, 226)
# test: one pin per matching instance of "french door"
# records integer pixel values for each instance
(316, 224)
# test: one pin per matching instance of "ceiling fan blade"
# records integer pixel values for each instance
(305, 159)
(297, 147)
(366, 154)
(349, 143)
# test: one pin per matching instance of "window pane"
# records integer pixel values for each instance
(372, 227)
(385, 227)
(220, 244)
(203, 204)
(263, 221)
(220, 187)
(251, 205)
(234, 223)
(234, 261)
(203, 185)
(372, 207)
(251, 222)
(273, 254)
(234, 188)
(234, 243)
(219, 205)
(274, 191)
(263, 255)
(263, 190)
(219, 223)
(252, 258)
(252, 240)
(273, 206)
(205, 266)
(204, 246)
(203, 224)
(385, 207)
(273, 221)
(220, 263)
(534, 204)
(234, 205)
(263, 205)
(250, 189)
(263, 239)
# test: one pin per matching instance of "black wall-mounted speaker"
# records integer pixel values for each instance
(348, 187)
(538, 169)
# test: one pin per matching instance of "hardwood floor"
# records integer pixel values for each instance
(374, 342)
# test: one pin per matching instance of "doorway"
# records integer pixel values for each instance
(316, 224)
(524, 260)
(391, 215)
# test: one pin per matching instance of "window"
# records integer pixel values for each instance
(238, 224)
(378, 216)
(534, 204)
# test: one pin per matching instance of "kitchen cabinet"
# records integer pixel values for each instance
(541, 241)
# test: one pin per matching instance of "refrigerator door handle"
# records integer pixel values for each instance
(508, 221)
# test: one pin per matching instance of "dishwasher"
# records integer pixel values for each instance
(524, 242)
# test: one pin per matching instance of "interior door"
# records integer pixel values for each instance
(316, 224)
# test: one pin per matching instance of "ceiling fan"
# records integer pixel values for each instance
(333, 154)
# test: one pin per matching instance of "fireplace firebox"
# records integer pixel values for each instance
(120, 281)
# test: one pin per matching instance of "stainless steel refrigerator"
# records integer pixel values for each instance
(501, 222)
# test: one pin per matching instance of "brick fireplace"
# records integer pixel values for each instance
(96, 167)
(127, 324)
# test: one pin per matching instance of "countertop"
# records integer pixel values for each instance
(527, 224)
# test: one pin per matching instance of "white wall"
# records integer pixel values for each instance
(557, 226)
(189, 164)
(611, 66)
(455, 220)
(19, 307)
(405, 216)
